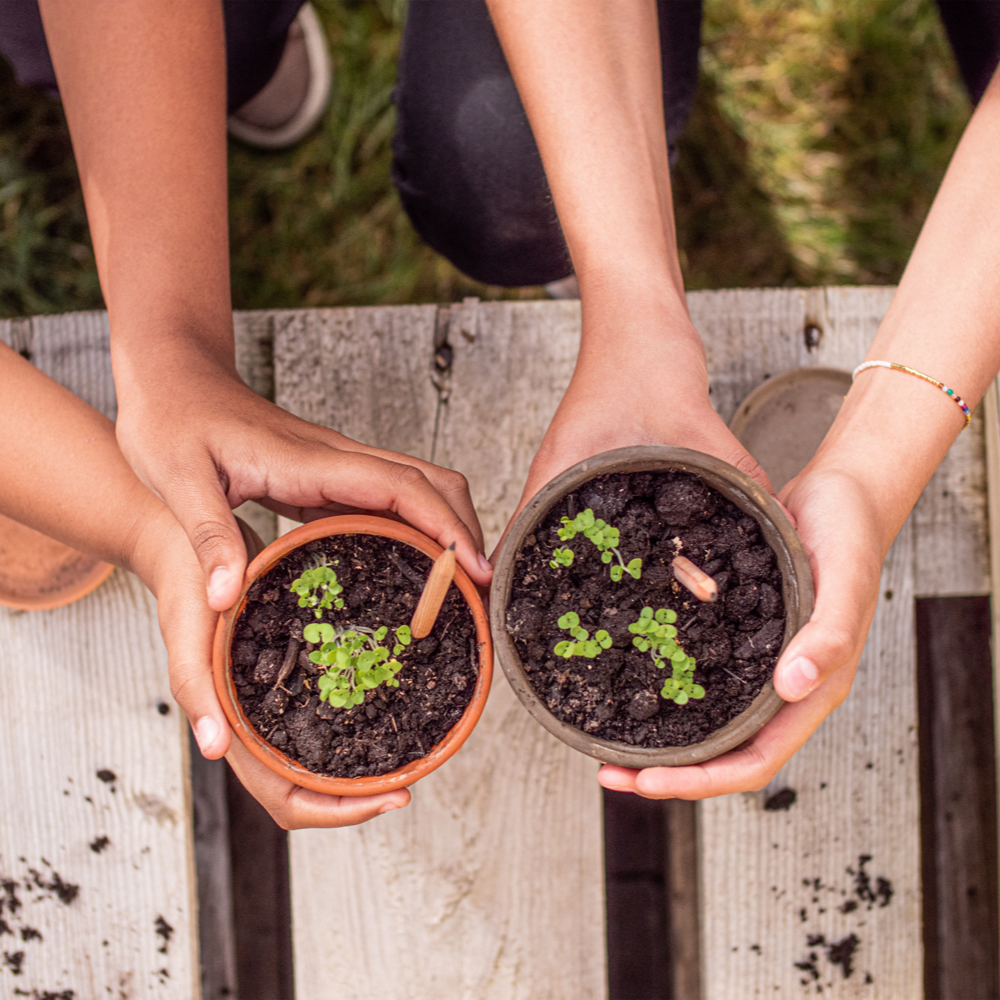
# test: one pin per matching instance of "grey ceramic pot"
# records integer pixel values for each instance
(734, 486)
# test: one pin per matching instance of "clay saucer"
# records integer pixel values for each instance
(38, 573)
(782, 422)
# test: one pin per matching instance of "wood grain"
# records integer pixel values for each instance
(81, 689)
(772, 880)
(84, 695)
(490, 884)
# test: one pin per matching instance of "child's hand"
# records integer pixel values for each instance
(205, 443)
(164, 560)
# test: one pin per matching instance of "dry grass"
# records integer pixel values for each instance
(820, 135)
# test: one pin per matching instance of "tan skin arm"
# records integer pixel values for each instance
(891, 434)
(589, 78)
(63, 474)
(143, 83)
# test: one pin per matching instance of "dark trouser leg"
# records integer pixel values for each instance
(973, 28)
(255, 39)
(466, 164)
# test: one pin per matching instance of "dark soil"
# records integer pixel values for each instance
(382, 581)
(735, 640)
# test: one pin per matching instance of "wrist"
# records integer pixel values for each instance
(155, 530)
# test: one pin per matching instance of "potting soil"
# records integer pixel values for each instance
(735, 640)
(382, 581)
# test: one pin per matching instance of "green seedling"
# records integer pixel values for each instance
(582, 645)
(318, 589)
(561, 557)
(655, 633)
(356, 661)
(604, 537)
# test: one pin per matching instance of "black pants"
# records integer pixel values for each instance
(465, 161)
(255, 38)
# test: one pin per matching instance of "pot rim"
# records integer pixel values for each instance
(270, 755)
(736, 486)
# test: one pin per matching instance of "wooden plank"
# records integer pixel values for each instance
(254, 336)
(684, 942)
(490, 885)
(856, 780)
(215, 877)
(991, 422)
(95, 785)
(114, 917)
(774, 880)
(958, 803)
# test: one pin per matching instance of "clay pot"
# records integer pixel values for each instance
(735, 487)
(37, 573)
(271, 756)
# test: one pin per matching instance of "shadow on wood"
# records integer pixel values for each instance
(957, 798)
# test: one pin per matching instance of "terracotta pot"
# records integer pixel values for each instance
(734, 486)
(272, 756)
(37, 573)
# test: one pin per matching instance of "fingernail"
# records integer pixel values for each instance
(206, 732)
(387, 808)
(484, 564)
(800, 678)
(218, 579)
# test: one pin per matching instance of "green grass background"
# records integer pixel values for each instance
(821, 132)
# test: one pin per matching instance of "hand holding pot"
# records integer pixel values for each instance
(165, 561)
(846, 541)
(200, 439)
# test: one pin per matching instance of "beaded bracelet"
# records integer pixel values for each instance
(912, 371)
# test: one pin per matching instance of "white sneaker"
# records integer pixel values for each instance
(294, 99)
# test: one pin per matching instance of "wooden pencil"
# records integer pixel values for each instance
(435, 589)
(696, 580)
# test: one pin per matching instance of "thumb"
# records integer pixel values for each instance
(203, 512)
(833, 638)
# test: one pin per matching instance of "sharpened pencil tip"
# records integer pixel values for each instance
(451, 548)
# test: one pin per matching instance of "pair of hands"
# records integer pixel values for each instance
(244, 447)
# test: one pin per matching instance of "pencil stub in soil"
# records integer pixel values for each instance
(616, 694)
(394, 726)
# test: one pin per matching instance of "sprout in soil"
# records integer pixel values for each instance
(655, 632)
(318, 589)
(604, 537)
(583, 644)
(356, 661)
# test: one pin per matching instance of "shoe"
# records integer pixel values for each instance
(292, 103)
(564, 288)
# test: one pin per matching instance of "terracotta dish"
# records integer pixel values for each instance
(38, 573)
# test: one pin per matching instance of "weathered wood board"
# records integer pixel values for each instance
(489, 886)
(509, 365)
(95, 833)
(774, 881)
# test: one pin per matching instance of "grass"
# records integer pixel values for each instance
(821, 131)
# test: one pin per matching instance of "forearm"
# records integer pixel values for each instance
(63, 473)
(589, 78)
(143, 84)
(894, 429)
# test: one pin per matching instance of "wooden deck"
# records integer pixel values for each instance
(491, 885)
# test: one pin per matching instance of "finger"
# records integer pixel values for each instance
(187, 625)
(374, 483)
(199, 503)
(295, 808)
(747, 768)
(846, 582)
(452, 486)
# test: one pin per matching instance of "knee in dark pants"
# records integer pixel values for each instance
(478, 194)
